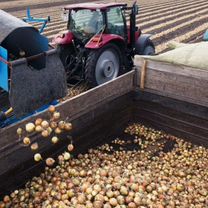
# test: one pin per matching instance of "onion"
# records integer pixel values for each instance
(38, 129)
(53, 124)
(30, 127)
(61, 125)
(38, 121)
(89, 205)
(70, 147)
(58, 130)
(124, 190)
(68, 126)
(56, 115)
(113, 202)
(135, 187)
(45, 124)
(107, 205)
(97, 187)
(45, 133)
(67, 156)
(49, 129)
(34, 146)
(6, 199)
(61, 158)
(109, 194)
(26, 141)
(37, 157)
(98, 204)
(84, 186)
(54, 139)
(81, 198)
(51, 109)
(19, 131)
(50, 161)
(132, 205)
(180, 187)
(137, 200)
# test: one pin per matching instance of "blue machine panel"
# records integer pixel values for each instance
(3, 70)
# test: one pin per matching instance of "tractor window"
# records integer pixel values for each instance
(85, 22)
(116, 21)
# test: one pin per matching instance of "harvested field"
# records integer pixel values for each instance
(183, 20)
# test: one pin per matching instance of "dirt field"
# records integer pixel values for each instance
(180, 20)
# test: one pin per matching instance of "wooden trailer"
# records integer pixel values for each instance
(168, 97)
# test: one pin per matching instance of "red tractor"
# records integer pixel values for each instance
(99, 45)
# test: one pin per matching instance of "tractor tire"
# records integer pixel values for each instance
(65, 52)
(104, 64)
(149, 48)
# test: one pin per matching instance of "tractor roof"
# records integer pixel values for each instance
(93, 6)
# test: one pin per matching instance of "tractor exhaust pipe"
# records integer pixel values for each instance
(133, 28)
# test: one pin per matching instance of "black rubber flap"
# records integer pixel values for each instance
(31, 88)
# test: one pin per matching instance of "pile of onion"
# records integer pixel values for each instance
(161, 171)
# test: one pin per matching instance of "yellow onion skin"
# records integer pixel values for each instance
(51, 109)
(37, 157)
(34, 146)
(29, 127)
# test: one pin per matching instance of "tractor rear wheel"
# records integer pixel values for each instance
(103, 65)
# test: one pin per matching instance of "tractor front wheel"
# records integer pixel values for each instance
(103, 65)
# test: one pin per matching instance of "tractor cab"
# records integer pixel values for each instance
(85, 23)
(99, 44)
(87, 20)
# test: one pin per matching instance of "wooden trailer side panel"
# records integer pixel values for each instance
(182, 119)
(174, 81)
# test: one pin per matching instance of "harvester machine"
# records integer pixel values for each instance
(31, 75)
